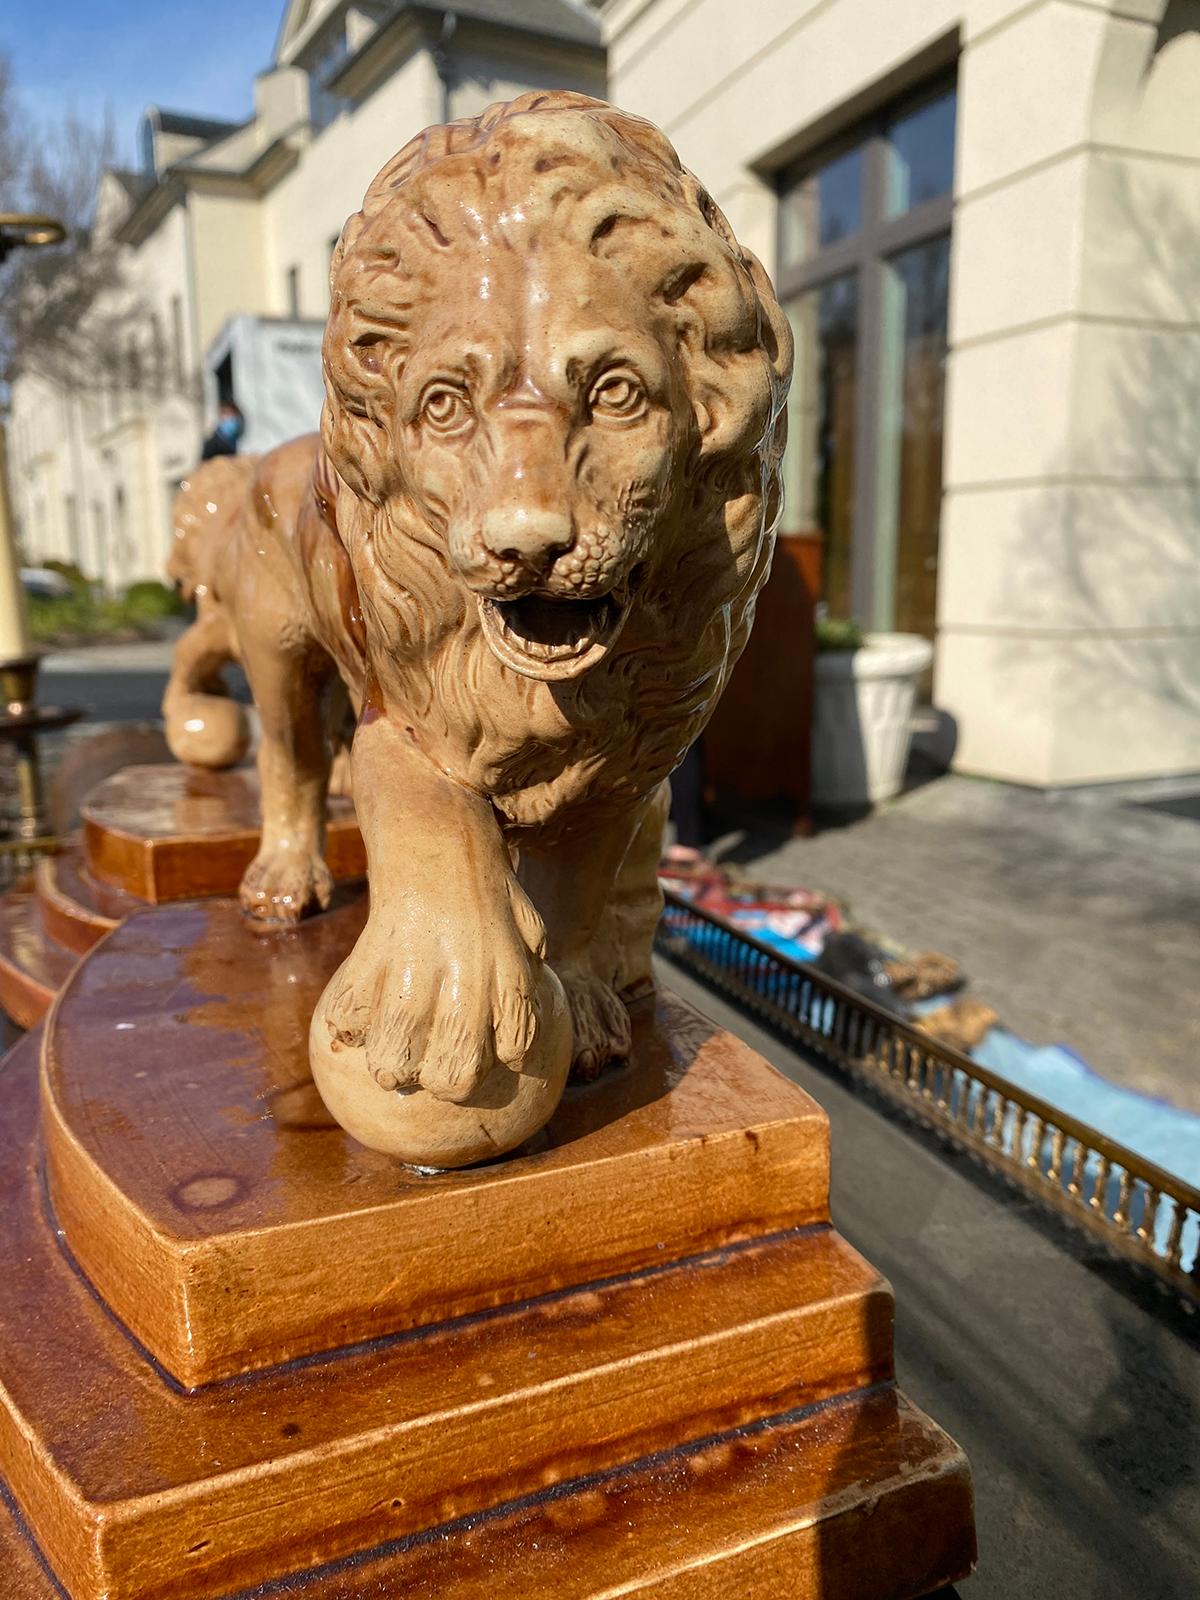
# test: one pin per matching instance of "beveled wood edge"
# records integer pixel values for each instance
(172, 1292)
(122, 1541)
(23, 999)
(117, 859)
(164, 1290)
(22, 1562)
(75, 927)
(161, 870)
(83, 1191)
(921, 1521)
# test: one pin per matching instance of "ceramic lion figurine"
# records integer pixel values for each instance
(528, 544)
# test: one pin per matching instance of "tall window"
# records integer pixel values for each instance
(864, 257)
(74, 550)
(330, 53)
(178, 356)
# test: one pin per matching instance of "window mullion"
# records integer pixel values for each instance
(830, 263)
(926, 221)
(870, 300)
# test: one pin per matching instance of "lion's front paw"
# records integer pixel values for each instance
(438, 1006)
(599, 1025)
(281, 884)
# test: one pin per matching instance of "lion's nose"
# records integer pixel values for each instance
(533, 537)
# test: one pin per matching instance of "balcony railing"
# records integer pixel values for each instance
(1139, 1211)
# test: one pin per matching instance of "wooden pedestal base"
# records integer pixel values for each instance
(151, 834)
(236, 1348)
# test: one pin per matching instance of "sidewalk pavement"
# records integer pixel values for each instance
(138, 655)
(1076, 914)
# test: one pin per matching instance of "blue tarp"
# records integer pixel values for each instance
(1152, 1128)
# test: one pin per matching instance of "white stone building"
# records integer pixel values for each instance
(226, 222)
(985, 218)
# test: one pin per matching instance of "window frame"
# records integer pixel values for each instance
(866, 254)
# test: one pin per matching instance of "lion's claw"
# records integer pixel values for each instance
(599, 1023)
(442, 1024)
(280, 885)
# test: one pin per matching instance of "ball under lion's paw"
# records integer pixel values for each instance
(281, 885)
(504, 1108)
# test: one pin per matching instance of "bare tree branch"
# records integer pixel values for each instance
(64, 309)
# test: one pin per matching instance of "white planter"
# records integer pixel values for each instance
(862, 718)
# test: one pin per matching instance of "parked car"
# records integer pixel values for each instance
(44, 581)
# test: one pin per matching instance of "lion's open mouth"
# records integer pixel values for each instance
(552, 639)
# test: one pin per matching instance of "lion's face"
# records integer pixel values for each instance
(554, 378)
(537, 437)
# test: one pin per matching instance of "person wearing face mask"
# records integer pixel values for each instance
(223, 440)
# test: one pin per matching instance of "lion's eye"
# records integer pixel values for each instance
(446, 410)
(617, 396)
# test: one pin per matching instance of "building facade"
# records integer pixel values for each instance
(983, 216)
(226, 224)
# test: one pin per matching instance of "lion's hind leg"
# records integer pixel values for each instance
(204, 727)
(597, 891)
(291, 681)
(637, 901)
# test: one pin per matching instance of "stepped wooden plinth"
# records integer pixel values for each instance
(237, 1348)
(151, 834)
(177, 833)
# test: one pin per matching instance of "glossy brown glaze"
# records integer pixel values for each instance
(33, 968)
(178, 833)
(864, 1500)
(25, 1576)
(136, 1489)
(76, 910)
(231, 1223)
(238, 1483)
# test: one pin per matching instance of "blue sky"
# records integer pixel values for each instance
(190, 55)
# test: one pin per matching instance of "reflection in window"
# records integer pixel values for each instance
(912, 402)
(920, 155)
(825, 207)
(819, 464)
(864, 250)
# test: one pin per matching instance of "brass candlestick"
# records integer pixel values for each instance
(21, 719)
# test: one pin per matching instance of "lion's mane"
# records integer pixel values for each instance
(613, 185)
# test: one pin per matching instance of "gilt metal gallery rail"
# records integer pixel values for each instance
(1137, 1210)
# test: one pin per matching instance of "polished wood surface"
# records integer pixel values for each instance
(862, 1500)
(76, 910)
(232, 1224)
(136, 1488)
(405, 1433)
(165, 833)
(32, 966)
(45, 925)
(25, 1574)
(237, 1348)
